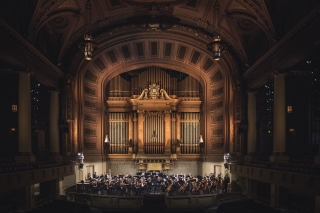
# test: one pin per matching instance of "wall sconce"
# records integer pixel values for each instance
(289, 109)
(106, 139)
(200, 139)
(14, 107)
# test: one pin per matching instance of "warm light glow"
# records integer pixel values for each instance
(289, 109)
(106, 139)
(14, 107)
(291, 130)
(200, 139)
(88, 48)
(216, 48)
(13, 129)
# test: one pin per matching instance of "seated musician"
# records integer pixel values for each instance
(106, 176)
(95, 176)
(89, 178)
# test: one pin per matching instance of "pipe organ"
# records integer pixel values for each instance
(154, 141)
(119, 131)
(190, 133)
(161, 113)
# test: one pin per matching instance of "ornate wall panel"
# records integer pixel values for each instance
(217, 103)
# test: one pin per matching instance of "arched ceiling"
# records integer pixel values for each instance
(64, 22)
(45, 35)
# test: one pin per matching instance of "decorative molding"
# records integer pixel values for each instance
(19, 51)
(257, 74)
(154, 99)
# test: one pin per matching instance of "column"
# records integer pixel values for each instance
(279, 119)
(130, 143)
(274, 195)
(54, 125)
(317, 158)
(252, 121)
(30, 197)
(167, 136)
(140, 134)
(317, 203)
(178, 133)
(135, 134)
(24, 121)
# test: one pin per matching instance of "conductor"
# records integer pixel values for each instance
(154, 182)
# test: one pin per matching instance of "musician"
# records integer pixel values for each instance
(112, 187)
(95, 176)
(106, 176)
(154, 183)
(226, 181)
(88, 176)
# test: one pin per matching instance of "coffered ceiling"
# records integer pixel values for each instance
(249, 29)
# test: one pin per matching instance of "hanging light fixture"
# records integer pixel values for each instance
(216, 44)
(88, 41)
(216, 39)
(216, 48)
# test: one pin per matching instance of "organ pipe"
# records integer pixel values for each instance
(119, 133)
(190, 132)
(154, 122)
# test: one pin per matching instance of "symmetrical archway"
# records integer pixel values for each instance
(155, 49)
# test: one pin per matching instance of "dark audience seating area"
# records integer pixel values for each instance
(296, 164)
(246, 205)
(8, 165)
(61, 206)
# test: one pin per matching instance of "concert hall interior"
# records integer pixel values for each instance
(210, 105)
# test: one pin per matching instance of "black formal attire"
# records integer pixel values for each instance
(154, 182)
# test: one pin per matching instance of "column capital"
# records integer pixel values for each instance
(252, 90)
(25, 71)
(54, 89)
(279, 72)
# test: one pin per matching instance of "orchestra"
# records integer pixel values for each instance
(152, 182)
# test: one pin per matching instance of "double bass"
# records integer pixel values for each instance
(169, 187)
(183, 186)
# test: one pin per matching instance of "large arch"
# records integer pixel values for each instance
(184, 54)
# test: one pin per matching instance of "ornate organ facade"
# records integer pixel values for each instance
(153, 111)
